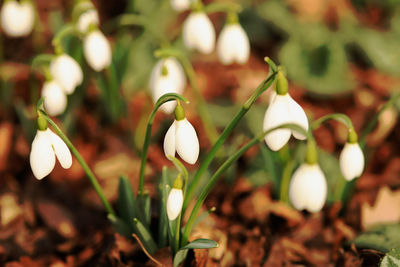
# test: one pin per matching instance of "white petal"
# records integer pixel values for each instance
(67, 72)
(198, 33)
(308, 188)
(42, 158)
(17, 18)
(277, 114)
(55, 100)
(351, 161)
(97, 50)
(233, 45)
(86, 19)
(61, 150)
(169, 141)
(187, 143)
(174, 203)
(180, 5)
(299, 117)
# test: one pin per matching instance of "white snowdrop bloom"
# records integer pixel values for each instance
(174, 203)
(86, 19)
(17, 18)
(233, 44)
(351, 161)
(55, 99)
(198, 33)
(173, 81)
(308, 188)
(97, 50)
(283, 110)
(45, 148)
(67, 72)
(182, 138)
(180, 5)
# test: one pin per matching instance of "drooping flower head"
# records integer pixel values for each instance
(97, 49)
(180, 5)
(181, 137)
(167, 76)
(45, 148)
(233, 44)
(283, 110)
(17, 18)
(351, 158)
(55, 99)
(198, 32)
(175, 199)
(67, 72)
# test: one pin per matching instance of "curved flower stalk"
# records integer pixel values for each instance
(167, 76)
(181, 137)
(198, 32)
(351, 158)
(67, 72)
(283, 109)
(17, 18)
(233, 44)
(308, 187)
(45, 148)
(55, 99)
(180, 5)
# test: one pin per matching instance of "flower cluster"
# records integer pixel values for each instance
(17, 18)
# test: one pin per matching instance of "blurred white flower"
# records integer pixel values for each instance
(172, 81)
(17, 18)
(86, 19)
(180, 5)
(233, 44)
(199, 33)
(174, 203)
(283, 110)
(55, 99)
(67, 72)
(182, 138)
(351, 161)
(308, 188)
(97, 50)
(45, 148)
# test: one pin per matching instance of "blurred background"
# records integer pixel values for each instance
(340, 56)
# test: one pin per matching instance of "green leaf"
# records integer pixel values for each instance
(201, 243)
(144, 208)
(163, 220)
(120, 226)
(382, 238)
(145, 236)
(126, 201)
(391, 259)
(180, 257)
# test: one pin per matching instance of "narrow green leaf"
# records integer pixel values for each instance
(163, 220)
(382, 238)
(126, 201)
(120, 226)
(143, 208)
(180, 257)
(145, 236)
(200, 244)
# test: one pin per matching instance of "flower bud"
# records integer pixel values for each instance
(199, 33)
(87, 18)
(97, 50)
(67, 72)
(351, 161)
(17, 18)
(174, 203)
(55, 100)
(233, 45)
(308, 188)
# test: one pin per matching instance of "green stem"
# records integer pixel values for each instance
(211, 131)
(286, 175)
(81, 161)
(226, 7)
(210, 156)
(342, 118)
(42, 60)
(67, 29)
(207, 188)
(163, 99)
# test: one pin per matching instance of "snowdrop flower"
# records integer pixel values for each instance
(167, 76)
(97, 50)
(180, 5)
(17, 18)
(175, 200)
(351, 158)
(181, 137)
(283, 110)
(86, 19)
(45, 148)
(233, 43)
(67, 72)
(55, 99)
(308, 188)
(199, 33)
